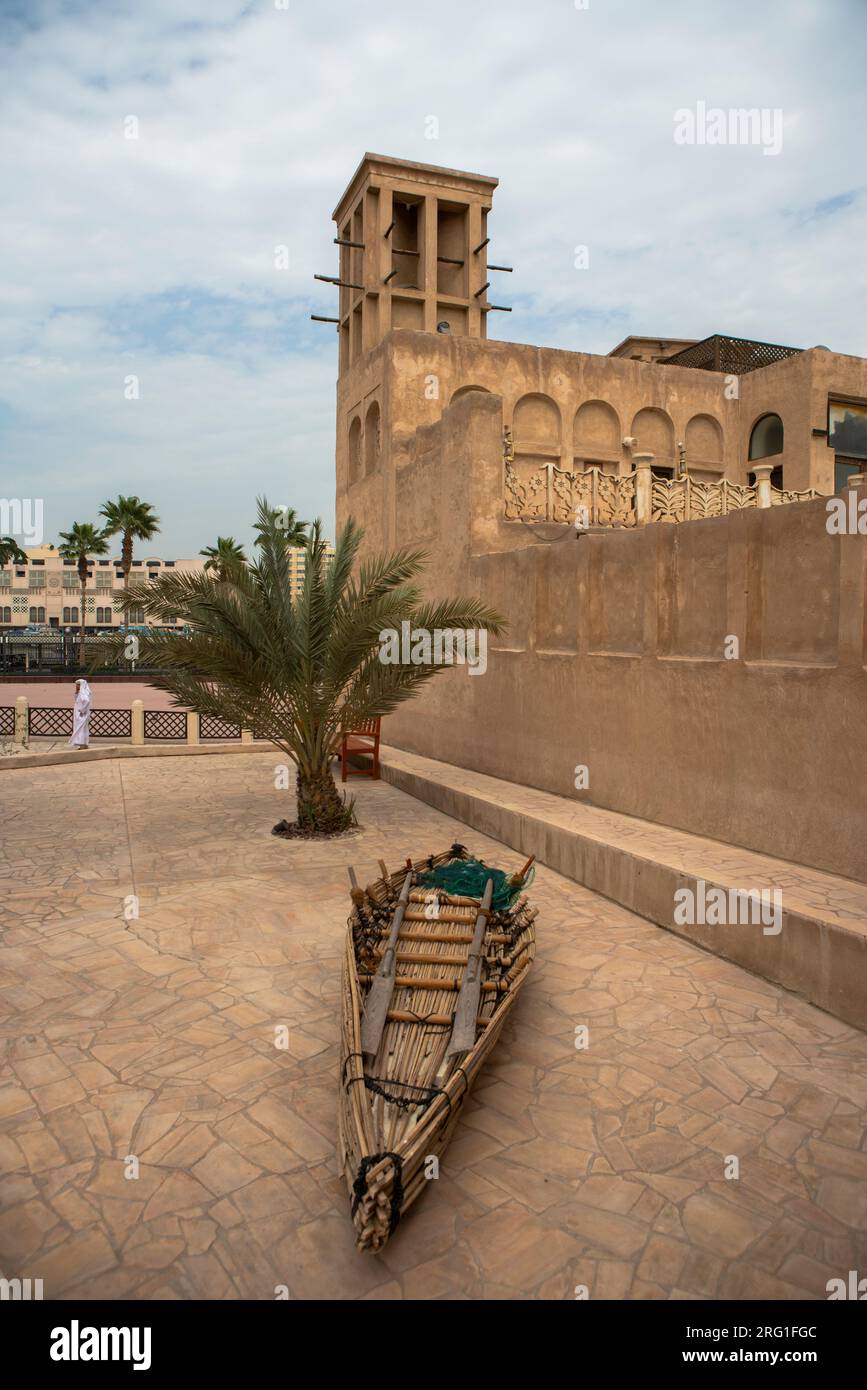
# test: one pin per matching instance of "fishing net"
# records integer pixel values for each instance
(466, 878)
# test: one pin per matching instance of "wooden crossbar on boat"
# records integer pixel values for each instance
(431, 985)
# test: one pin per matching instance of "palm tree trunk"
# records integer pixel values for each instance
(81, 629)
(126, 565)
(320, 805)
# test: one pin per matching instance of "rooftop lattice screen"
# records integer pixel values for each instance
(732, 355)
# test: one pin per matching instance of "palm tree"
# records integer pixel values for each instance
(294, 531)
(225, 557)
(11, 552)
(135, 521)
(297, 669)
(77, 544)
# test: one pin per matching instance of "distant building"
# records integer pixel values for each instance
(296, 564)
(47, 589)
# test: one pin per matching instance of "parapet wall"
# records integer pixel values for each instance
(615, 658)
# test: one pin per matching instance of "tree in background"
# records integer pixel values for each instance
(298, 668)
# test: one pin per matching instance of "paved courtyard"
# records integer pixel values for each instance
(152, 1038)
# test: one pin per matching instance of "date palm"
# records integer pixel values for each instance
(11, 552)
(134, 520)
(78, 544)
(294, 531)
(224, 558)
(298, 668)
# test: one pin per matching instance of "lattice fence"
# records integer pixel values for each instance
(165, 724)
(111, 723)
(211, 727)
(735, 356)
(7, 721)
(49, 722)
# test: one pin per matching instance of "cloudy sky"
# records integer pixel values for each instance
(153, 257)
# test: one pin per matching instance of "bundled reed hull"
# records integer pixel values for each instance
(398, 1107)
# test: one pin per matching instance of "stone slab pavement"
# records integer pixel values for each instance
(152, 1037)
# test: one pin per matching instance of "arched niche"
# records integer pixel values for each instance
(354, 450)
(536, 426)
(704, 442)
(465, 391)
(596, 435)
(372, 438)
(654, 432)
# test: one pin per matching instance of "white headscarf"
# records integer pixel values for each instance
(82, 691)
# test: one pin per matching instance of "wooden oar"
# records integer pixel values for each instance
(467, 1006)
(382, 984)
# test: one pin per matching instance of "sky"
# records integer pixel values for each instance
(154, 153)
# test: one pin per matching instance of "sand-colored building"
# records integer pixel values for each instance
(710, 674)
(417, 284)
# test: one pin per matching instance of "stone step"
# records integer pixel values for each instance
(817, 948)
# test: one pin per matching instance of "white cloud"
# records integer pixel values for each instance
(156, 255)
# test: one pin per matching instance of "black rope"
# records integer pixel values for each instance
(359, 1187)
(348, 1058)
(377, 1084)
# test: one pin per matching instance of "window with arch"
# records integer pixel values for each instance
(6, 615)
(103, 615)
(767, 437)
(355, 450)
(37, 615)
(372, 437)
(70, 615)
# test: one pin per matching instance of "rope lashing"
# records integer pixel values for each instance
(359, 1187)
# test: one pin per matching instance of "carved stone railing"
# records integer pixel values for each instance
(591, 497)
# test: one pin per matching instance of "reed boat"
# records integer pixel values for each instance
(436, 954)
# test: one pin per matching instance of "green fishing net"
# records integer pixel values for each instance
(466, 878)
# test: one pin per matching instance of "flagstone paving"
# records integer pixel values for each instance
(147, 1043)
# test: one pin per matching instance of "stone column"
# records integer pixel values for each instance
(137, 721)
(246, 735)
(192, 727)
(762, 473)
(21, 708)
(643, 486)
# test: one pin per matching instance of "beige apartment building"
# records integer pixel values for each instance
(46, 590)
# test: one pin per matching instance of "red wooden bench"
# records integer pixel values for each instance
(364, 739)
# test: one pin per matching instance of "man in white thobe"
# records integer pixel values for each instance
(81, 716)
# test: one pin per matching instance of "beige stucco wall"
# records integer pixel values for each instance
(614, 656)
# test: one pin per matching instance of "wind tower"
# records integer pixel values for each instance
(413, 254)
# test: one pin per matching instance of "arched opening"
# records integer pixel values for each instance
(654, 433)
(371, 438)
(536, 426)
(703, 443)
(354, 451)
(767, 437)
(465, 391)
(596, 436)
